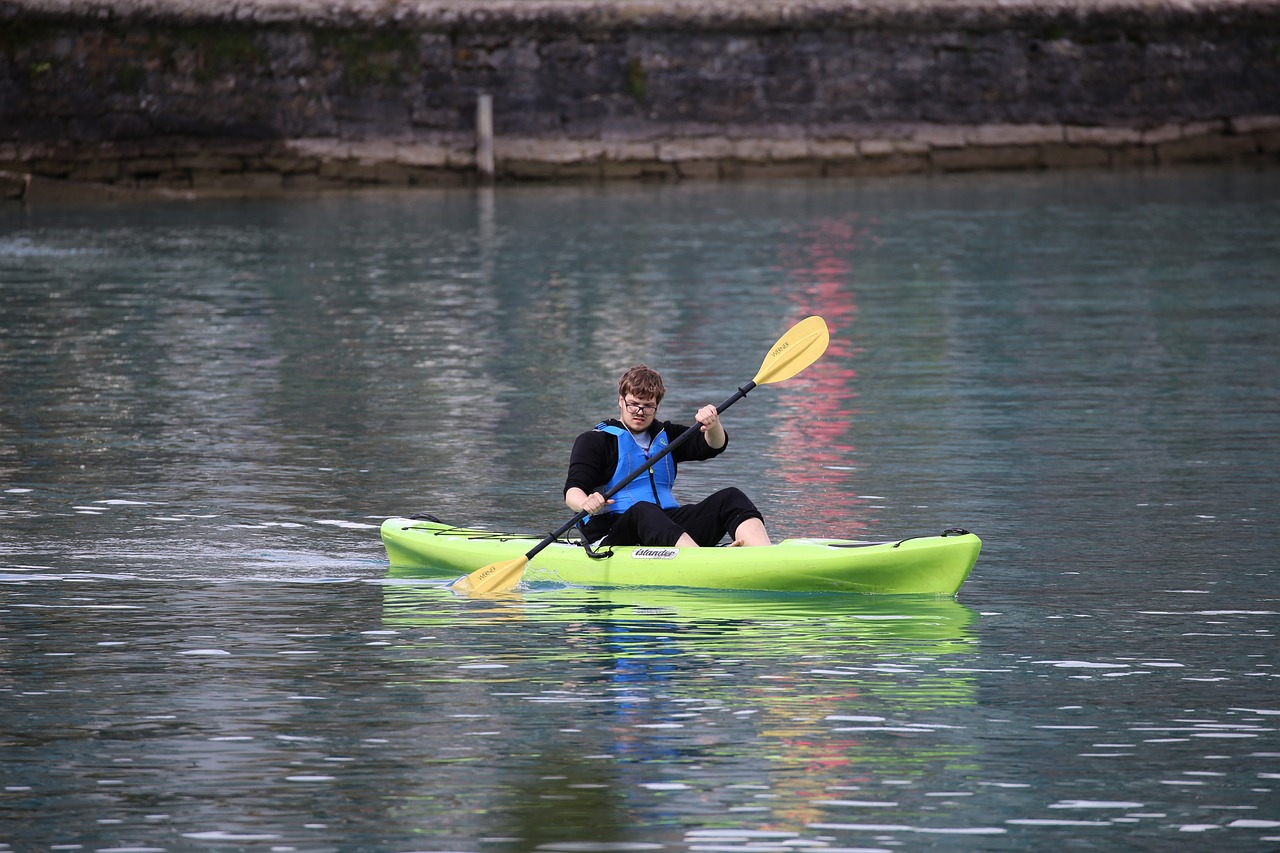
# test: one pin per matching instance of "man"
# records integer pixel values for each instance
(645, 512)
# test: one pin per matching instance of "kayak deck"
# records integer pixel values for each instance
(934, 565)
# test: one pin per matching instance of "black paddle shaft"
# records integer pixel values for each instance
(639, 469)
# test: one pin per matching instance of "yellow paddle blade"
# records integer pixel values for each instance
(802, 345)
(495, 577)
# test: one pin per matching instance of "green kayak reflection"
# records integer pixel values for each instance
(768, 704)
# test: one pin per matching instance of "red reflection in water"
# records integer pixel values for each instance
(815, 446)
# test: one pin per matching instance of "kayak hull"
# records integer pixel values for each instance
(923, 565)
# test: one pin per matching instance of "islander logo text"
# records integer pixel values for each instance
(654, 553)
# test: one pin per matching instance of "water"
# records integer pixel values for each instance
(207, 408)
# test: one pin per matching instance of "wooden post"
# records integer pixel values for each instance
(484, 136)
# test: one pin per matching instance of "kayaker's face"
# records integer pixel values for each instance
(637, 413)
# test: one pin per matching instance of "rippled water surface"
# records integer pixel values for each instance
(207, 408)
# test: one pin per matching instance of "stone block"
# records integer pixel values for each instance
(303, 181)
(621, 151)
(96, 171)
(782, 150)
(535, 149)
(893, 164)
(205, 180)
(1267, 141)
(527, 169)
(1015, 134)
(462, 158)
(877, 148)
(834, 149)
(910, 147)
(751, 150)
(13, 184)
(440, 178)
(636, 169)
(324, 149)
(579, 151)
(776, 169)
(761, 149)
(1132, 156)
(1252, 124)
(394, 174)
(587, 170)
(208, 162)
(57, 167)
(174, 179)
(422, 154)
(1074, 156)
(40, 189)
(1164, 133)
(373, 151)
(1203, 128)
(148, 166)
(287, 165)
(706, 148)
(997, 158)
(254, 181)
(941, 135)
(1105, 136)
(698, 169)
(119, 149)
(349, 171)
(1206, 149)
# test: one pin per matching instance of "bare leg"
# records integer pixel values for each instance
(752, 533)
(686, 541)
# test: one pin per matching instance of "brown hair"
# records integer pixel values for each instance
(642, 381)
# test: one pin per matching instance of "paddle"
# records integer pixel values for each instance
(800, 347)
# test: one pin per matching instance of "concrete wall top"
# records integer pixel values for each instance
(630, 14)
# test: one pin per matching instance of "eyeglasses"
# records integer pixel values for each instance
(639, 409)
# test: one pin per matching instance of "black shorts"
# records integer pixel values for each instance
(706, 522)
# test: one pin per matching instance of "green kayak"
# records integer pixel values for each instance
(920, 565)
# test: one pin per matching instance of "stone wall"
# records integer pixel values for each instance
(267, 95)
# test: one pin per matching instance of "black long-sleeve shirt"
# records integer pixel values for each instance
(595, 453)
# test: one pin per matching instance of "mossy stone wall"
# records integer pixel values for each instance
(163, 94)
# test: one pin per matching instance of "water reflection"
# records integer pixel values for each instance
(676, 704)
(376, 712)
(814, 426)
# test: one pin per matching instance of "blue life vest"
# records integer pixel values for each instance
(654, 488)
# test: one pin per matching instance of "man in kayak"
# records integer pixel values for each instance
(645, 512)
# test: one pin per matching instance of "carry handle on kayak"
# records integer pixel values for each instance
(802, 345)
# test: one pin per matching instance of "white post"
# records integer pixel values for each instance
(484, 136)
